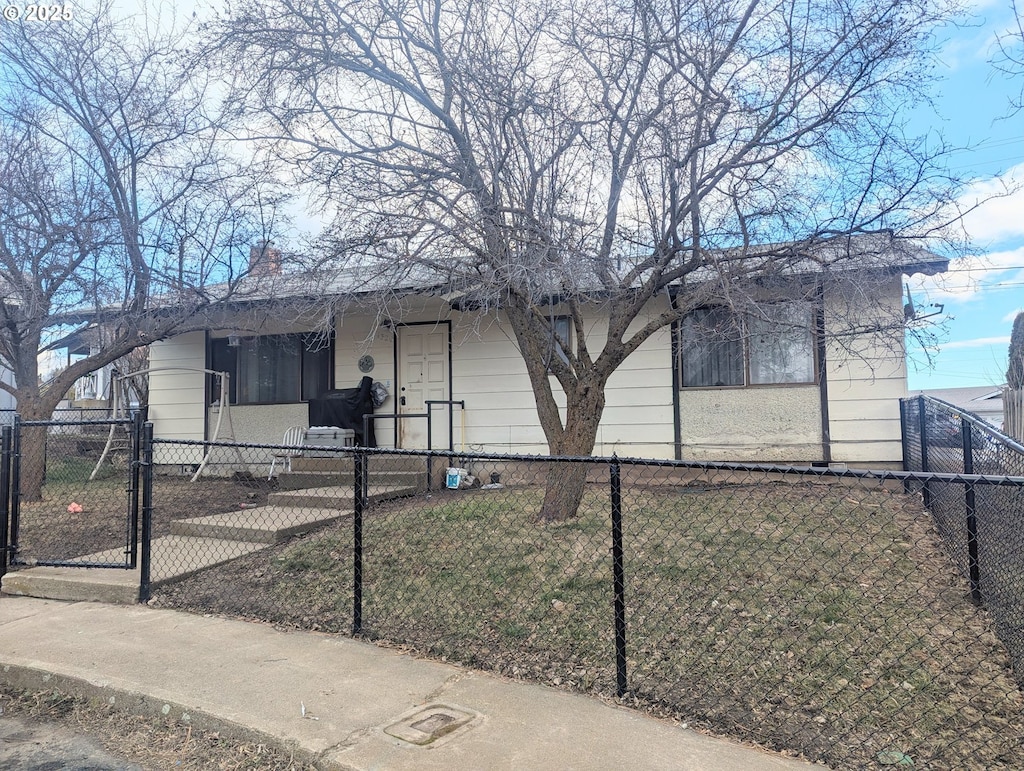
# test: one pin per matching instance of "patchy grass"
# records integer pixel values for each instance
(819, 619)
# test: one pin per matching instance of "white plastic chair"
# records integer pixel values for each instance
(293, 437)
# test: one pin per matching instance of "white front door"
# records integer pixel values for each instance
(423, 375)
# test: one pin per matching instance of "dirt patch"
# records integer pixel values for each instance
(53, 730)
(77, 517)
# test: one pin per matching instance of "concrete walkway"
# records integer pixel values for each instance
(346, 703)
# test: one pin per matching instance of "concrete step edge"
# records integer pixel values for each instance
(264, 532)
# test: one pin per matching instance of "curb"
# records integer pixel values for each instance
(136, 703)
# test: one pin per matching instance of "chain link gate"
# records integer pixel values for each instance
(70, 493)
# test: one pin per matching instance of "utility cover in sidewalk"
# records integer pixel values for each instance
(429, 724)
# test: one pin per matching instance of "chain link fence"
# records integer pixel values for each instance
(69, 495)
(807, 610)
(73, 419)
(982, 524)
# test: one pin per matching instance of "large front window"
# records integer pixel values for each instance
(274, 369)
(773, 345)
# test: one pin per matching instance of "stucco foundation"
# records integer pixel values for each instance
(752, 424)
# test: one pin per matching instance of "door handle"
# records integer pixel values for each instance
(401, 401)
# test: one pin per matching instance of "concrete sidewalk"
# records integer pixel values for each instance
(346, 703)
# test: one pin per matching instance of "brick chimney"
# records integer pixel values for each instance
(265, 260)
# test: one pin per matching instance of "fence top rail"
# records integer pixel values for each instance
(97, 422)
(976, 421)
(765, 468)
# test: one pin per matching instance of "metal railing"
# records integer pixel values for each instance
(451, 404)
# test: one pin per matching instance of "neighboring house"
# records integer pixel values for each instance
(8, 404)
(776, 389)
(92, 391)
(984, 401)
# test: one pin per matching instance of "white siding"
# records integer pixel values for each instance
(488, 373)
(866, 380)
(355, 336)
(638, 417)
(501, 412)
(773, 423)
(177, 395)
(7, 401)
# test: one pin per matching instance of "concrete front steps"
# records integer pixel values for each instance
(304, 473)
(261, 525)
(198, 544)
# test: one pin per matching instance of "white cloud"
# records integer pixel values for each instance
(994, 220)
(978, 342)
(1009, 317)
(998, 203)
(975, 41)
(966, 276)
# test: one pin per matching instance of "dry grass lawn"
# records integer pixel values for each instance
(823, 620)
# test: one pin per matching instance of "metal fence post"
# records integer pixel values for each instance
(905, 442)
(922, 421)
(618, 578)
(973, 566)
(145, 560)
(5, 494)
(132, 541)
(12, 546)
(430, 446)
(358, 499)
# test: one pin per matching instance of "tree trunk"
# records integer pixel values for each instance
(566, 482)
(1013, 413)
(33, 462)
(33, 445)
(563, 491)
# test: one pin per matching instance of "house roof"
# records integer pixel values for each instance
(969, 397)
(873, 252)
(373, 276)
(986, 402)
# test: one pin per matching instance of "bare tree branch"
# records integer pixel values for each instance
(602, 157)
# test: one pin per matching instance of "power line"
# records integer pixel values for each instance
(995, 287)
(970, 270)
(1014, 158)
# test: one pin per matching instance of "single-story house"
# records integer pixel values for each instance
(805, 382)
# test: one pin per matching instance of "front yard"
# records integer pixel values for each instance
(819, 619)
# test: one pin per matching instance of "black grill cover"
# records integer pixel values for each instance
(344, 408)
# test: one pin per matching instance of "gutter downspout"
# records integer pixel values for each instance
(677, 426)
(819, 325)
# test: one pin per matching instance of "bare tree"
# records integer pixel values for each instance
(601, 157)
(122, 204)
(1010, 57)
(1013, 394)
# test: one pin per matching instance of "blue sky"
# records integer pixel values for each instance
(982, 293)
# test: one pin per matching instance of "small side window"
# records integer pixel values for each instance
(561, 330)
